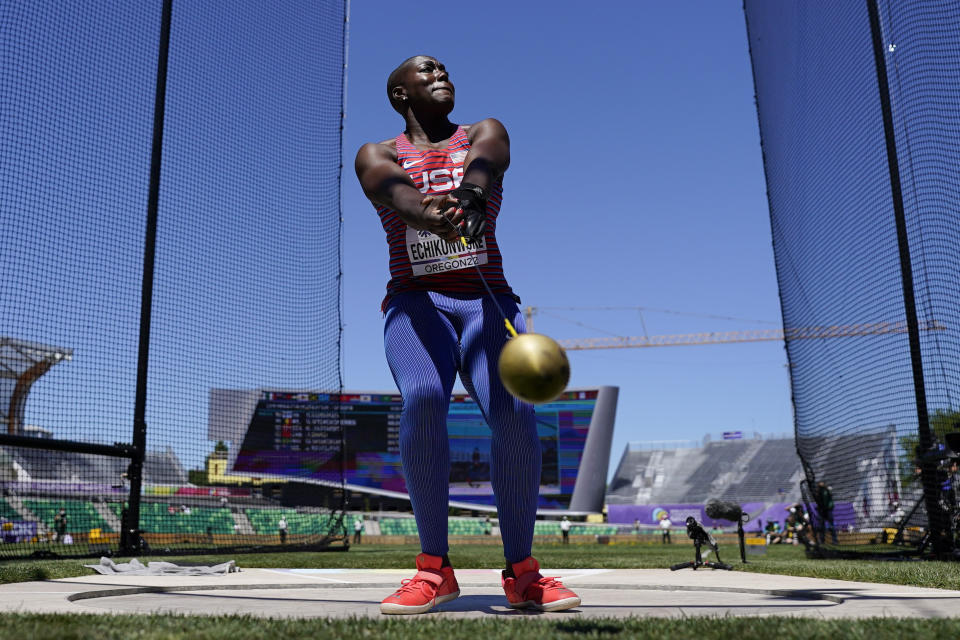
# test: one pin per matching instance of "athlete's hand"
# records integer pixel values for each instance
(442, 216)
(474, 224)
(472, 201)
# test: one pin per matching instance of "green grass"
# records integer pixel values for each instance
(123, 627)
(785, 560)
(779, 560)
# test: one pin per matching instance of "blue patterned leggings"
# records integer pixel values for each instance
(429, 338)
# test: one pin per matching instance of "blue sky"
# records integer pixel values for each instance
(636, 181)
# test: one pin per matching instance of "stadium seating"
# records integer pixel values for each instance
(838, 452)
(265, 521)
(766, 473)
(593, 530)
(465, 527)
(720, 458)
(456, 526)
(158, 467)
(408, 527)
(7, 512)
(543, 528)
(155, 517)
(881, 483)
(739, 471)
(81, 516)
(398, 527)
(635, 472)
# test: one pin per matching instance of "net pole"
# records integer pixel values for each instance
(935, 515)
(130, 535)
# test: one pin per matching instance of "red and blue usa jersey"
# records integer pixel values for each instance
(422, 261)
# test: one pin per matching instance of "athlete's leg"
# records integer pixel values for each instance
(421, 349)
(515, 447)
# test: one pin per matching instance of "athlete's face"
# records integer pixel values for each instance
(427, 82)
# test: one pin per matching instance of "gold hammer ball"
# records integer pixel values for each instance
(534, 368)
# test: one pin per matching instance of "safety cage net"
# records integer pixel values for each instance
(859, 113)
(170, 256)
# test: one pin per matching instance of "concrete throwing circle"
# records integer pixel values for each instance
(363, 599)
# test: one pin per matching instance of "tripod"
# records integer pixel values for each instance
(698, 559)
(898, 536)
(743, 553)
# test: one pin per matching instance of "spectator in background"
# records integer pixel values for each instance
(487, 526)
(824, 499)
(565, 530)
(772, 531)
(358, 530)
(665, 525)
(282, 529)
(59, 525)
(185, 510)
(797, 523)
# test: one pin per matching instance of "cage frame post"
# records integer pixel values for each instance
(130, 539)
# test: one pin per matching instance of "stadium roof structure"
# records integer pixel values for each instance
(21, 364)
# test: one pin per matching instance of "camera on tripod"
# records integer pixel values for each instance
(944, 460)
(949, 450)
(697, 533)
(944, 456)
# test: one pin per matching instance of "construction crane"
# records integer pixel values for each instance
(725, 337)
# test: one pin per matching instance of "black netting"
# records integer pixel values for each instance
(246, 287)
(831, 195)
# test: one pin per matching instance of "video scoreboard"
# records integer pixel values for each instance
(355, 437)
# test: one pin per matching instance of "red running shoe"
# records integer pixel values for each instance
(530, 589)
(432, 585)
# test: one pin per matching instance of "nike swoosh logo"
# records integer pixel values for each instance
(409, 163)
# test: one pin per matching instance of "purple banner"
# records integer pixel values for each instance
(844, 515)
(649, 515)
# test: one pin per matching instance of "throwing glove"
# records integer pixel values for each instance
(473, 201)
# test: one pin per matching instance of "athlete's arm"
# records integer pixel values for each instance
(387, 184)
(489, 154)
(488, 158)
